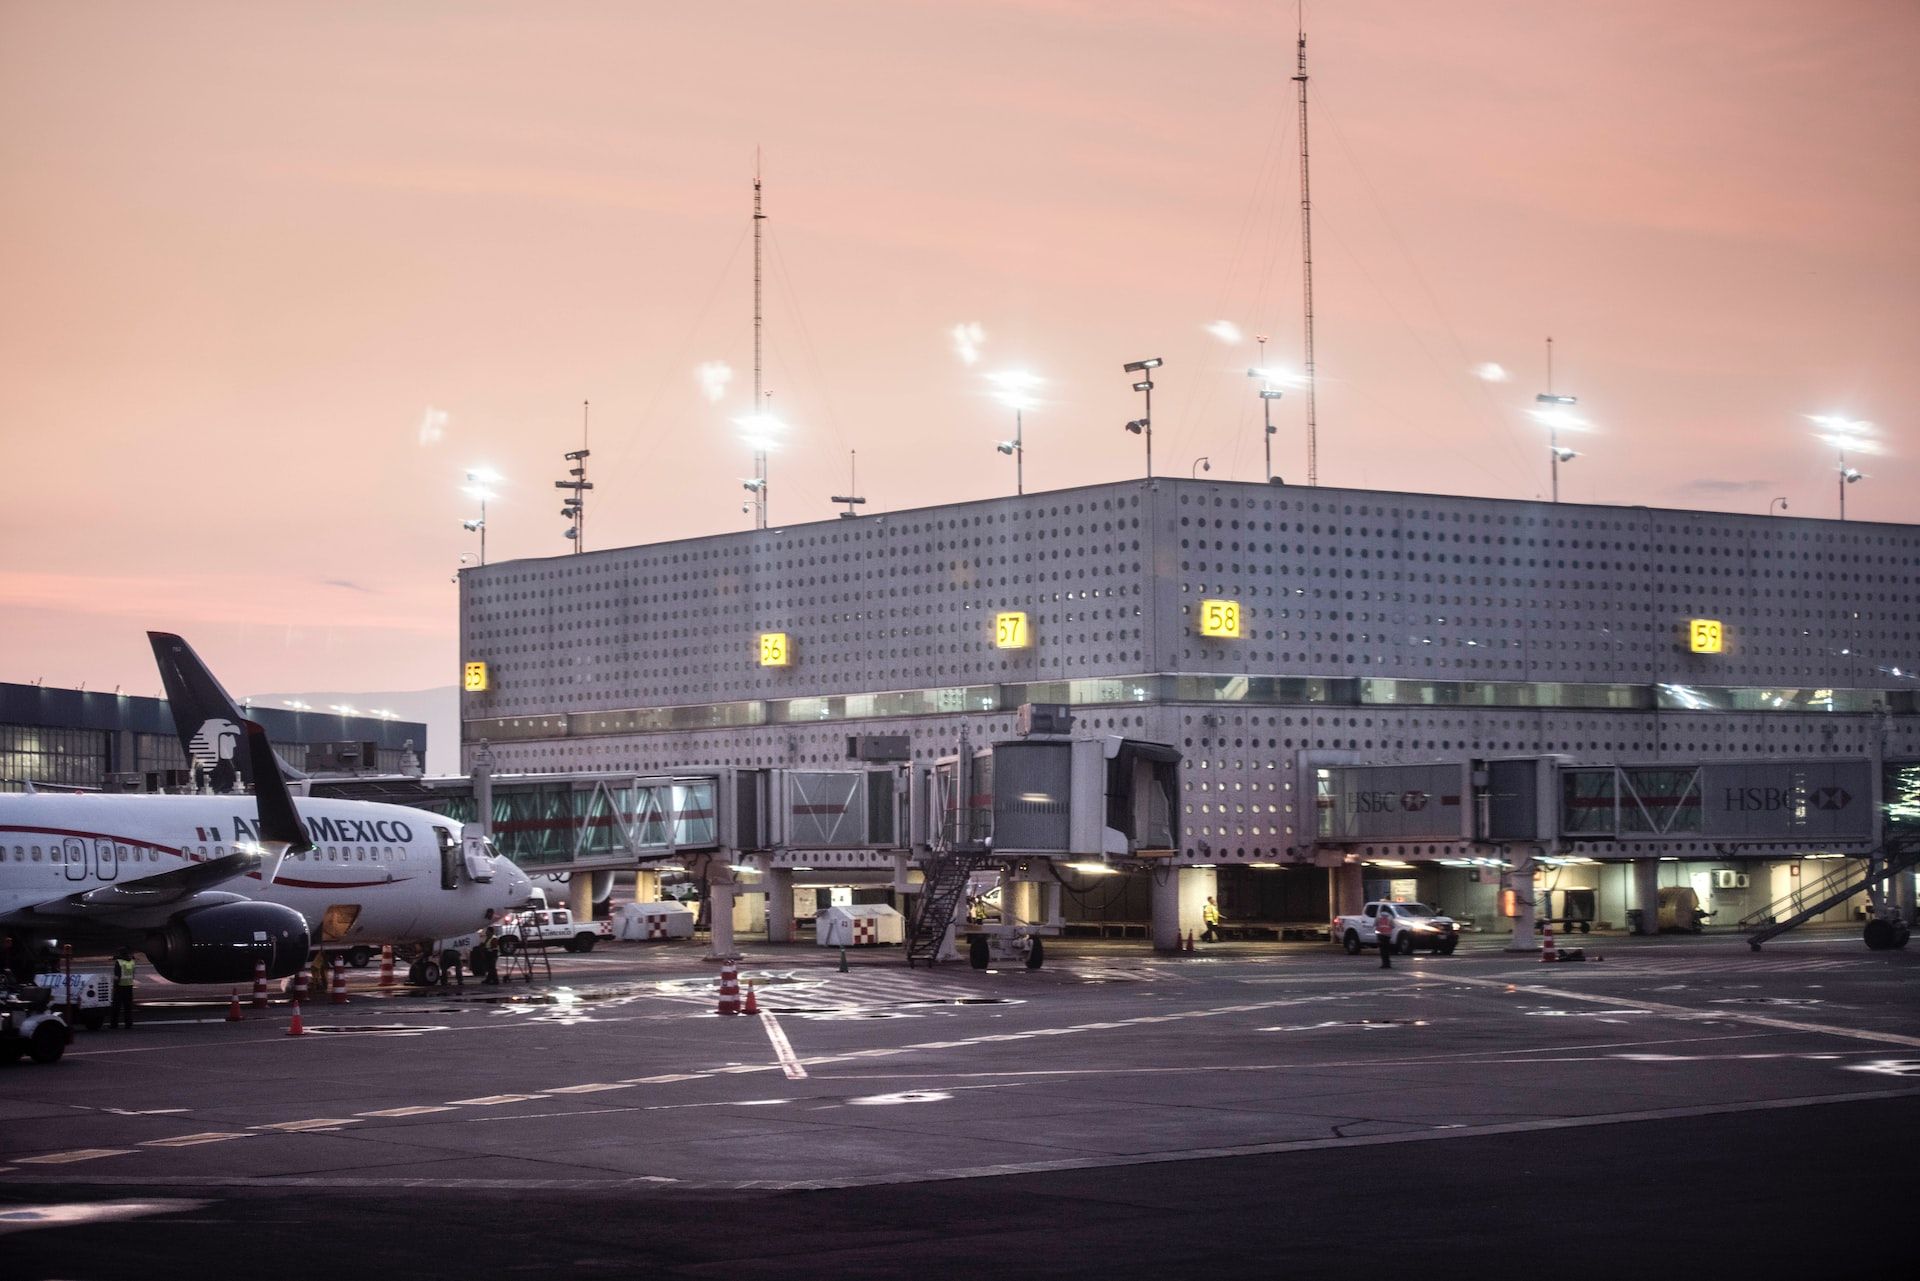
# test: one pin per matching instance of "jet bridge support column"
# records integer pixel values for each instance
(779, 905)
(580, 896)
(1646, 893)
(720, 887)
(1521, 881)
(1166, 908)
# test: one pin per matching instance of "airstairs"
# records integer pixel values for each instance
(1836, 887)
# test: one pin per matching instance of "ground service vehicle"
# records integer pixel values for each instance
(555, 926)
(28, 1026)
(1415, 925)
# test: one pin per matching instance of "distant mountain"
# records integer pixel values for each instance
(438, 709)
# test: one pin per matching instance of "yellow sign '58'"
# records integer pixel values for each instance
(1220, 618)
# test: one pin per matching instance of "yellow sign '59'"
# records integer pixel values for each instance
(474, 678)
(775, 650)
(1220, 618)
(1706, 636)
(1010, 631)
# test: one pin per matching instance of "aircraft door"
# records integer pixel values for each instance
(106, 864)
(76, 859)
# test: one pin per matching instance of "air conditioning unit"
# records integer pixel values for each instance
(1724, 878)
(1741, 881)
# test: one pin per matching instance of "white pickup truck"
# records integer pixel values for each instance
(1414, 926)
(556, 926)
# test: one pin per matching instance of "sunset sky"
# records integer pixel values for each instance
(274, 276)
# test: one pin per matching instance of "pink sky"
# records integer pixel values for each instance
(244, 249)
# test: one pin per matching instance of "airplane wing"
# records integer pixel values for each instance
(142, 902)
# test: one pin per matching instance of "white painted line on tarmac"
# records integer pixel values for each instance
(311, 1123)
(589, 1089)
(68, 1158)
(195, 1140)
(782, 1048)
(412, 1111)
(1688, 1012)
(491, 1100)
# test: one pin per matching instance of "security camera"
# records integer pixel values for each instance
(473, 526)
(1564, 454)
(1005, 447)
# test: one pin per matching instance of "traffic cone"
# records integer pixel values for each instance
(301, 986)
(386, 966)
(1189, 941)
(338, 995)
(753, 1001)
(259, 985)
(1546, 948)
(729, 991)
(233, 1007)
(296, 1028)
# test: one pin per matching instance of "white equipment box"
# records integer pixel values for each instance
(859, 925)
(641, 922)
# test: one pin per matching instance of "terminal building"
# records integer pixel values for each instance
(93, 740)
(1500, 707)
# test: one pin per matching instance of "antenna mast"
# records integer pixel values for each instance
(759, 400)
(1306, 249)
(575, 507)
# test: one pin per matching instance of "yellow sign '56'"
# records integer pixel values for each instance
(775, 650)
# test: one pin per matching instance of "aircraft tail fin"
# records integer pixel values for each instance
(205, 717)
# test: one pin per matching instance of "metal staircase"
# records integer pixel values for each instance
(945, 889)
(1836, 887)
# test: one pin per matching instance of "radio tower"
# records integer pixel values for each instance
(759, 400)
(1306, 249)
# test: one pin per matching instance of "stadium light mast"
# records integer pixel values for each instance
(1143, 425)
(575, 507)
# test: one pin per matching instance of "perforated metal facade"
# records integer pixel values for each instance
(1381, 627)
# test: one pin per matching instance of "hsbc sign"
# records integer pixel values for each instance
(1792, 800)
(1390, 802)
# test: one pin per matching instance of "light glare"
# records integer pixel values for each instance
(1492, 373)
(1225, 330)
(967, 339)
(714, 375)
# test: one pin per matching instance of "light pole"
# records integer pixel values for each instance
(1193, 473)
(1778, 503)
(477, 487)
(1143, 425)
(1013, 388)
(1845, 434)
(1268, 394)
(1555, 412)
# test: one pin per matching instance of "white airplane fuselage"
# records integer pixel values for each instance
(377, 874)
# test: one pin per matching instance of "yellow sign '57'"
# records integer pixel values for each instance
(1220, 618)
(1010, 631)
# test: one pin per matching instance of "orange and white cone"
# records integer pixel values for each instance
(301, 986)
(1546, 947)
(386, 966)
(233, 1006)
(296, 1028)
(729, 991)
(753, 1002)
(259, 985)
(1189, 940)
(338, 993)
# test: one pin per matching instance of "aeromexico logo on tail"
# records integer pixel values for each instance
(212, 748)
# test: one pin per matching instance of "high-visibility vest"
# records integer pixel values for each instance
(1383, 923)
(122, 973)
(1210, 914)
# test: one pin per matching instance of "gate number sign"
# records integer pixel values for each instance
(775, 651)
(1706, 636)
(1220, 618)
(1010, 631)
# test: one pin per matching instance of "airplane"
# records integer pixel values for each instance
(206, 885)
(205, 717)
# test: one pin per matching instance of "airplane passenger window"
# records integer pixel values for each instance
(36, 853)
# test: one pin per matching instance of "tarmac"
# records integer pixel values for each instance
(1112, 1114)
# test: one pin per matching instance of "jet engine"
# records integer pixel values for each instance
(220, 944)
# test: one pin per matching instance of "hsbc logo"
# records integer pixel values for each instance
(1412, 801)
(1830, 798)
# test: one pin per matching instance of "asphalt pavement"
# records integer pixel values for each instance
(1114, 1113)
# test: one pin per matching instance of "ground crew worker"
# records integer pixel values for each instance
(1210, 915)
(122, 988)
(490, 956)
(1383, 934)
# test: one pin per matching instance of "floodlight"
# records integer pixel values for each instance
(1137, 425)
(1143, 385)
(1267, 393)
(1549, 398)
(1139, 366)
(1005, 447)
(1562, 454)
